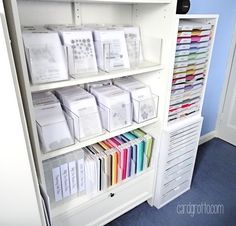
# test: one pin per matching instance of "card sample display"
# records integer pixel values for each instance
(111, 49)
(45, 57)
(82, 107)
(133, 43)
(144, 102)
(55, 128)
(114, 105)
(80, 50)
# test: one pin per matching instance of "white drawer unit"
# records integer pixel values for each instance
(101, 209)
(177, 158)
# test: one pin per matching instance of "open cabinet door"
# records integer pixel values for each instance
(19, 193)
(227, 125)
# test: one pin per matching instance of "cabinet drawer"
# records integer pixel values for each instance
(177, 181)
(182, 151)
(175, 174)
(184, 129)
(181, 165)
(175, 191)
(183, 134)
(184, 139)
(111, 204)
(180, 159)
(182, 145)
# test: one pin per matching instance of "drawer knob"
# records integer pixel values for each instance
(112, 195)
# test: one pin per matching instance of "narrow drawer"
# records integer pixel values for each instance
(181, 165)
(110, 205)
(175, 191)
(176, 182)
(168, 177)
(184, 144)
(179, 131)
(182, 151)
(184, 138)
(180, 159)
(177, 136)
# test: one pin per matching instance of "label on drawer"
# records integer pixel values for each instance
(57, 183)
(65, 180)
(81, 175)
(73, 177)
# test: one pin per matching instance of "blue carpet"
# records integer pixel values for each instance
(214, 182)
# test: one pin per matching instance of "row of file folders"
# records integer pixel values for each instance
(97, 167)
(191, 58)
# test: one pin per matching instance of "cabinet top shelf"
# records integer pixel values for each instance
(105, 1)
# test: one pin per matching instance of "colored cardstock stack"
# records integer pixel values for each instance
(192, 51)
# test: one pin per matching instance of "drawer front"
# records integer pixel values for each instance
(180, 158)
(186, 138)
(181, 165)
(175, 191)
(178, 172)
(179, 152)
(183, 136)
(176, 182)
(112, 204)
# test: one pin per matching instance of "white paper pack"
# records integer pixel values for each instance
(53, 130)
(111, 50)
(144, 106)
(134, 44)
(80, 51)
(82, 107)
(45, 57)
(115, 107)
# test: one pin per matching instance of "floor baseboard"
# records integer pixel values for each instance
(207, 137)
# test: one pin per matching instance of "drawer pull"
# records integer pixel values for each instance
(112, 195)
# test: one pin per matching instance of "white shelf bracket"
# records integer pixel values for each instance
(77, 13)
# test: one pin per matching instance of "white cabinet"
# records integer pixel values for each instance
(179, 145)
(171, 168)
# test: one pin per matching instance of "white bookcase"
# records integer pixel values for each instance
(158, 24)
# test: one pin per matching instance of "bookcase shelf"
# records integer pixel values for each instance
(96, 139)
(144, 67)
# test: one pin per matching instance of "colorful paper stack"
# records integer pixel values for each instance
(192, 52)
(118, 158)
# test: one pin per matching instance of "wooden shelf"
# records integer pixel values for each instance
(144, 67)
(94, 140)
